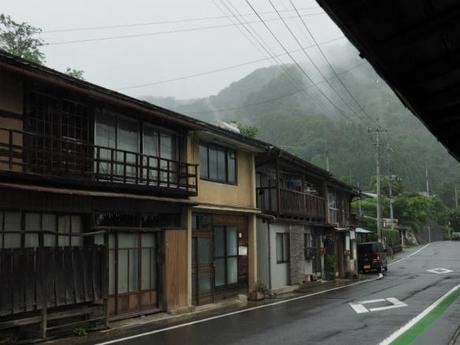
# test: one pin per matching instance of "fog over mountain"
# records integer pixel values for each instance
(292, 113)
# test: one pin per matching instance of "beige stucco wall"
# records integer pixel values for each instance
(241, 195)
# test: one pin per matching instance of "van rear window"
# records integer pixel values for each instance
(368, 248)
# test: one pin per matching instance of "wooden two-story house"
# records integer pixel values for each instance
(95, 195)
(305, 214)
(341, 244)
(224, 219)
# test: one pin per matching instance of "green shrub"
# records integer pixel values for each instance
(80, 332)
(391, 237)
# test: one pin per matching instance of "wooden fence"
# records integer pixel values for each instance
(34, 278)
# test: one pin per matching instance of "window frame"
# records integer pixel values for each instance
(227, 152)
(285, 239)
(23, 232)
(226, 256)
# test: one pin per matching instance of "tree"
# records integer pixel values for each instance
(396, 185)
(454, 218)
(76, 73)
(20, 39)
(411, 207)
(247, 130)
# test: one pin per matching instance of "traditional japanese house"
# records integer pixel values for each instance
(95, 197)
(340, 244)
(224, 221)
(298, 228)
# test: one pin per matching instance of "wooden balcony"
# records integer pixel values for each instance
(27, 156)
(337, 217)
(291, 203)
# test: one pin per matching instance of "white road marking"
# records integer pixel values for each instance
(407, 326)
(439, 270)
(359, 307)
(412, 254)
(246, 310)
(232, 313)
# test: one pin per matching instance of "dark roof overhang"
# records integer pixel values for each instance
(415, 47)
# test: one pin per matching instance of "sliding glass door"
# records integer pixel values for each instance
(225, 256)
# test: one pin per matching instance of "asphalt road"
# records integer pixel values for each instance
(329, 319)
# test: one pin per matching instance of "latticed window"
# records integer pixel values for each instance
(39, 229)
(60, 130)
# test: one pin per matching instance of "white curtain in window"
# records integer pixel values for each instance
(12, 223)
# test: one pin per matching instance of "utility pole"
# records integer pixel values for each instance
(327, 158)
(378, 131)
(428, 194)
(390, 179)
(456, 195)
(360, 206)
(427, 182)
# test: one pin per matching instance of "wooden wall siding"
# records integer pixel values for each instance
(10, 157)
(175, 267)
(31, 278)
(291, 203)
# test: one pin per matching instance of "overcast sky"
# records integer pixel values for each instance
(160, 54)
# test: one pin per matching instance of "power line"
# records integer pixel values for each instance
(253, 33)
(109, 38)
(162, 22)
(328, 62)
(309, 57)
(271, 99)
(220, 69)
(295, 61)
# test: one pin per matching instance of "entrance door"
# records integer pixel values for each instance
(341, 254)
(133, 272)
(202, 268)
(225, 256)
(316, 243)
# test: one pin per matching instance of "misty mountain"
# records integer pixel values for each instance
(291, 112)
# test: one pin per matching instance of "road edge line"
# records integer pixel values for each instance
(410, 255)
(413, 321)
(114, 341)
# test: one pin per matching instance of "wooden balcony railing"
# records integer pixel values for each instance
(291, 203)
(66, 159)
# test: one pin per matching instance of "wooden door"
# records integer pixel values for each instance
(133, 272)
(202, 268)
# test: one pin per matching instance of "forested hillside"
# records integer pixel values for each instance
(290, 112)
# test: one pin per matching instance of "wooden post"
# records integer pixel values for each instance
(44, 322)
(10, 144)
(105, 277)
(44, 282)
(326, 203)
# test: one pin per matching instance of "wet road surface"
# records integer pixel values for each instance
(329, 319)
